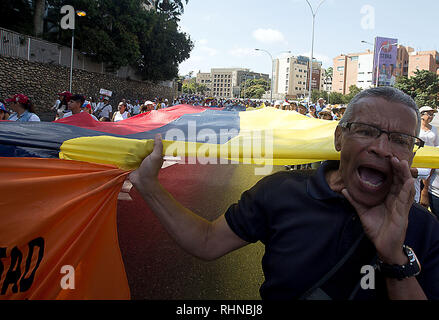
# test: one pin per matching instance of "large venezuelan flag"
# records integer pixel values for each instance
(60, 180)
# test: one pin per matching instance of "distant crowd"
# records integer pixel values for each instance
(20, 108)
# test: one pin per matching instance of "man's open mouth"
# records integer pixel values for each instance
(371, 177)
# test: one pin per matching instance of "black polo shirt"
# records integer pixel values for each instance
(307, 228)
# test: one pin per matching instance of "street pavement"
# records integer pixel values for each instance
(157, 268)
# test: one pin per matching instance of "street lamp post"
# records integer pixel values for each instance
(312, 46)
(378, 61)
(272, 79)
(79, 14)
(272, 71)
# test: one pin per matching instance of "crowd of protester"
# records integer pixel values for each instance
(20, 108)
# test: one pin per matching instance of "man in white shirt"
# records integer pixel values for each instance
(103, 112)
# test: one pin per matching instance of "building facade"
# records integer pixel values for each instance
(423, 60)
(226, 82)
(352, 69)
(291, 77)
(365, 73)
(357, 68)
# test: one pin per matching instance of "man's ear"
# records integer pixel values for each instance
(337, 138)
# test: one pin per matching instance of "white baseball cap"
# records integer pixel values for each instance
(427, 108)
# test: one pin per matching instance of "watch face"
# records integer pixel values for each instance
(413, 261)
(411, 256)
(411, 269)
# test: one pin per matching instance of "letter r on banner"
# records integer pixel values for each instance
(68, 20)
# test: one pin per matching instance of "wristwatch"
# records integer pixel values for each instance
(400, 272)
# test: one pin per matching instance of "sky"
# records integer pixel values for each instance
(225, 33)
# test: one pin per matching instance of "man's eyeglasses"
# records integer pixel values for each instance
(399, 141)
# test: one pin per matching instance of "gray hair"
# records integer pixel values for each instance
(388, 93)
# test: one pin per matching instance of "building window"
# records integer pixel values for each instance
(340, 68)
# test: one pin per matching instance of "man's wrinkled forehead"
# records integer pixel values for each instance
(385, 114)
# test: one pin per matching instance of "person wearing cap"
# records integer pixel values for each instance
(4, 113)
(302, 109)
(312, 112)
(86, 107)
(147, 106)
(320, 105)
(429, 195)
(121, 113)
(23, 109)
(325, 114)
(61, 103)
(104, 110)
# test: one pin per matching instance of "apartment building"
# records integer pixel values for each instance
(365, 71)
(327, 83)
(226, 82)
(357, 68)
(318, 73)
(402, 60)
(291, 77)
(423, 60)
(352, 69)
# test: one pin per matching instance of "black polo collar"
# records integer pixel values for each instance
(317, 186)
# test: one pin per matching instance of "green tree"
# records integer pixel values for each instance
(116, 32)
(163, 48)
(17, 15)
(353, 91)
(328, 72)
(317, 94)
(423, 87)
(122, 33)
(192, 87)
(254, 88)
(336, 98)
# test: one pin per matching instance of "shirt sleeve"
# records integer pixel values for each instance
(436, 136)
(34, 117)
(248, 218)
(423, 173)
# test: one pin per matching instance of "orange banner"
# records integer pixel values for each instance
(58, 230)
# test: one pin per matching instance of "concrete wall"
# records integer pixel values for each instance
(41, 82)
